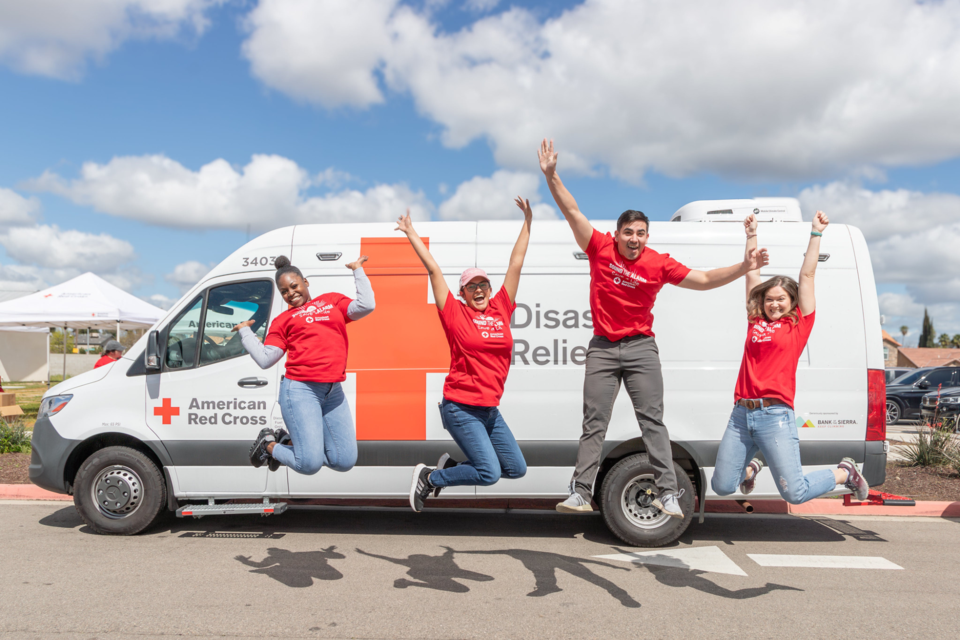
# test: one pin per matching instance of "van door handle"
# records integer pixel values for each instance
(251, 382)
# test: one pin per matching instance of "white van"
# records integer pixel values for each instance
(171, 423)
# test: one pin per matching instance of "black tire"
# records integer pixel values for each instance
(634, 521)
(894, 411)
(119, 491)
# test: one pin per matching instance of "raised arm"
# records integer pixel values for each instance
(512, 280)
(753, 260)
(808, 300)
(364, 304)
(440, 288)
(582, 229)
(750, 227)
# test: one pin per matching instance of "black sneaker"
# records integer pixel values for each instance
(855, 482)
(420, 487)
(445, 462)
(258, 452)
(282, 437)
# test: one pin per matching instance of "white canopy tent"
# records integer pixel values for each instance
(86, 302)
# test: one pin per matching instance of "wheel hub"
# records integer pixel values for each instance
(637, 503)
(117, 491)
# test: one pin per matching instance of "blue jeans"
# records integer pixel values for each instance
(320, 425)
(773, 431)
(484, 437)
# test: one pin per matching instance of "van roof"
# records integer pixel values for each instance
(766, 210)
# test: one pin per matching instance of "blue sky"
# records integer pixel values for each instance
(357, 109)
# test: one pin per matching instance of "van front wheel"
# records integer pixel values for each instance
(627, 495)
(119, 491)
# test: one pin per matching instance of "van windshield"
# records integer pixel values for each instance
(910, 378)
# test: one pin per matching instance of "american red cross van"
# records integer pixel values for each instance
(170, 424)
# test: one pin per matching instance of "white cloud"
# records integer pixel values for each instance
(269, 192)
(747, 89)
(187, 274)
(160, 300)
(57, 38)
(16, 210)
(50, 247)
(899, 305)
(491, 198)
(480, 6)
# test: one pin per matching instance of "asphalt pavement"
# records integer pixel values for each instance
(351, 573)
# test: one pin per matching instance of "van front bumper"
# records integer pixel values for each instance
(48, 457)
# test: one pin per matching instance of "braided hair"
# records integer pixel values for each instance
(282, 263)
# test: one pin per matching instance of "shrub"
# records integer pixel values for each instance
(82, 351)
(14, 438)
(933, 448)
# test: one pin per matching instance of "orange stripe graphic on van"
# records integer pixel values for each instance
(394, 348)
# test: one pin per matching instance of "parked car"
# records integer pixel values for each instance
(906, 392)
(892, 373)
(944, 403)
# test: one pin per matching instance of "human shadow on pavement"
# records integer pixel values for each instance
(433, 572)
(678, 577)
(544, 565)
(296, 568)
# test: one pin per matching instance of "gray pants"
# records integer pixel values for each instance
(636, 361)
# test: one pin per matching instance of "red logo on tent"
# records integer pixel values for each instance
(166, 410)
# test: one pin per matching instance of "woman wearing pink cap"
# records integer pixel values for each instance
(481, 345)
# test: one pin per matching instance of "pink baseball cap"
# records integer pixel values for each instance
(470, 274)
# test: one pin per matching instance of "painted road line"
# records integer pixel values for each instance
(710, 559)
(823, 562)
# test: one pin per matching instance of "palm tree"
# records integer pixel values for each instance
(943, 341)
(955, 343)
(904, 330)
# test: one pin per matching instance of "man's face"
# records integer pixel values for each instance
(114, 355)
(631, 239)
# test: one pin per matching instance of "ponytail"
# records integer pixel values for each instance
(282, 263)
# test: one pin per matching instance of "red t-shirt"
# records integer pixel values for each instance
(104, 360)
(314, 336)
(770, 357)
(481, 346)
(622, 292)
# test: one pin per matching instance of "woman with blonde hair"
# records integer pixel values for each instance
(780, 316)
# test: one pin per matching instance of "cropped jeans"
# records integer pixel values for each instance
(484, 437)
(772, 431)
(320, 425)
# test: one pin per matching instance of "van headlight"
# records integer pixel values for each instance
(53, 405)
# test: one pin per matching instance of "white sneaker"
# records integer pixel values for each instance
(576, 503)
(669, 505)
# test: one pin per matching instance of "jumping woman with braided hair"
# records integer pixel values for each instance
(780, 315)
(313, 334)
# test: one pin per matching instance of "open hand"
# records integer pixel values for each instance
(548, 157)
(820, 221)
(756, 259)
(525, 207)
(248, 323)
(404, 223)
(356, 264)
(750, 224)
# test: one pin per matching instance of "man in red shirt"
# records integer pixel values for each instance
(112, 351)
(625, 277)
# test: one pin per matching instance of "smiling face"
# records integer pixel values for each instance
(293, 289)
(479, 298)
(631, 239)
(777, 303)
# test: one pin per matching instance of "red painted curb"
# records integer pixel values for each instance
(827, 507)
(30, 492)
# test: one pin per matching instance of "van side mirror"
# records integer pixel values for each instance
(151, 357)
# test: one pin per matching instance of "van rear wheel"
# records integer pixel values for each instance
(627, 495)
(119, 491)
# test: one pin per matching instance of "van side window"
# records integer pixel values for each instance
(181, 348)
(228, 306)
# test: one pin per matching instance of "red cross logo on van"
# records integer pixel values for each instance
(166, 411)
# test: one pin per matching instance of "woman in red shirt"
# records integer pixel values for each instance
(313, 334)
(780, 316)
(481, 345)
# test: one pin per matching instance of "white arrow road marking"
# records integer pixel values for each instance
(710, 559)
(823, 562)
